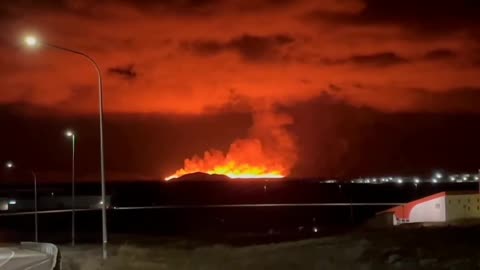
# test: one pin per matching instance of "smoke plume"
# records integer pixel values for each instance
(269, 151)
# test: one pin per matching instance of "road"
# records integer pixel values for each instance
(19, 258)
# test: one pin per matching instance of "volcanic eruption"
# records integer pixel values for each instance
(268, 152)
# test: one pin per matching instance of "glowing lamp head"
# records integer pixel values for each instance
(69, 133)
(9, 165)
(31, 41)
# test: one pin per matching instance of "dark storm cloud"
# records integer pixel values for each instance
(22, 8)
(387, 59)
(265, 4)
(177, 7)
(46, 4)
(208, 7)
(93, 9)
(440, 54)
(249, 47)
(381, 59)
(450, 100)
(427, 16)
(126, 72)
(396, 143)
(334, 88)
(259, 48)
(475, 57)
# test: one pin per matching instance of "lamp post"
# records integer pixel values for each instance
(11, 165)
(33, 42)
(71, 135)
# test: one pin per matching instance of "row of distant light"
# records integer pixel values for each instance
(438, 177)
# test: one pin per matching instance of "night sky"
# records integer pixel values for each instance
(367, 87)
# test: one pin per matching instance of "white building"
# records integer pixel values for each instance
(439, 207)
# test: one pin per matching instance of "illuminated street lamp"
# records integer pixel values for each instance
(11, 165)
(33, 42)
(71, 134)
(438, 175)
(416, 180)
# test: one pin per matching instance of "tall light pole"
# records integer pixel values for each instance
(71, 135)
(11, 165)
(32, 41)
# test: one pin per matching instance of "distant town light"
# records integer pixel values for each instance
(12, 202)
(452, 178)
(315, 229)
(101, 202)
(434, 180)
(399, 180)
(9, 165)
(438, 175)
(416, 180)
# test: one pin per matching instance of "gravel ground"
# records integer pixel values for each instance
(407, 248)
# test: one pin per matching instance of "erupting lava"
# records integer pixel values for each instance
(233, 170)
(246, 159)
(269, 152)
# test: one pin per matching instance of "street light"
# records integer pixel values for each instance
(71, 134)
(32, 42)
(11, 165)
